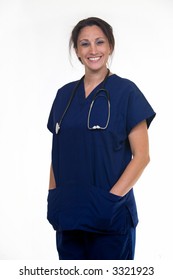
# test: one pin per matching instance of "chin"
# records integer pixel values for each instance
(95, 67)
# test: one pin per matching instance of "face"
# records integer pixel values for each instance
(93, 48)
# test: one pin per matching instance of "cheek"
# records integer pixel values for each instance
(108, 49)
(79, 53)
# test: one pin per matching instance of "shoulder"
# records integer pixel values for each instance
(123, 82)
(65, 91)
(123, 87)
(68, 86)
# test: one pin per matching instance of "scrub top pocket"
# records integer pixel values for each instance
(86, 208)
(108, 211)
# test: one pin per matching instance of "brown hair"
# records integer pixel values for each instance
(104, 26)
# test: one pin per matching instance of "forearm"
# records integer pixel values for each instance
(130, 176)
(52, 183)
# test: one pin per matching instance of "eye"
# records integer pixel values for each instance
(100, 42)
(84, 44)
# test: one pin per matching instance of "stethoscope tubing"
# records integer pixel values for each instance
(58, 124)
(91, 106)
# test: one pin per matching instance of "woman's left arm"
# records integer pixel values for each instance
(139, 144)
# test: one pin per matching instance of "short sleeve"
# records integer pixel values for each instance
(50, 121)
(138, 109)
(51, 118)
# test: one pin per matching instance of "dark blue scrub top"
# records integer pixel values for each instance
(87, 163)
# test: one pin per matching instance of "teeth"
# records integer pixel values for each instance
(94, 58)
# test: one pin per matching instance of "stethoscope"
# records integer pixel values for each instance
(96, 95)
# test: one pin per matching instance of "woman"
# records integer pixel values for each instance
(100, 149)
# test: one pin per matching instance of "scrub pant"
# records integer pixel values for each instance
(83, 245)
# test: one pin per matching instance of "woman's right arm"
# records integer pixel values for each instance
(52, 183)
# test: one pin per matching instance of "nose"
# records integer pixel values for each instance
(93, 48)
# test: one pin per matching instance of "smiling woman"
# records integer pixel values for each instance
(100, 149)
(93, 42)
(93, 48)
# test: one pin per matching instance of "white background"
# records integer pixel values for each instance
(34, 63)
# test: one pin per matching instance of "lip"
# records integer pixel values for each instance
(94, 58)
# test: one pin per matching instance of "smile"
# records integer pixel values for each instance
(94, 58)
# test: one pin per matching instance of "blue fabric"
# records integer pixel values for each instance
(83, 245)
(87, 163)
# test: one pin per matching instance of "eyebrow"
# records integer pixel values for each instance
(95, 39)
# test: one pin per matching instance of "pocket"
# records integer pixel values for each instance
(67, 206)
(107, 211)
(88, 208)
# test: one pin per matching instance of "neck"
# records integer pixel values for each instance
(93, 78)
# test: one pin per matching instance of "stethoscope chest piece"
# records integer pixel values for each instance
(57, 128)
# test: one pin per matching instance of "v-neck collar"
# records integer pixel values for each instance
(80, 94)
(92, 91)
